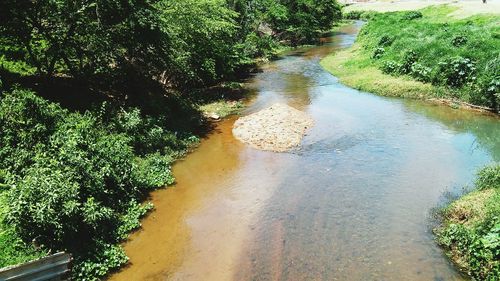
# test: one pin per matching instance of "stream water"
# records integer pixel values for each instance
(353, 203)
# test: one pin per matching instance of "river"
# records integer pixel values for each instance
(353, 203)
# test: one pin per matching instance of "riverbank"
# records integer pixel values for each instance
(428, 55)
(470, 230)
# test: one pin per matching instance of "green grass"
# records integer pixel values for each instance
(424, 57)
(355, 69)
(470, 230)
(222, 108)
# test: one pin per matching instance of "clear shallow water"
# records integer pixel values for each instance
(352, 204)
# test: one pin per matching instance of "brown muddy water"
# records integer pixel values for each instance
(354, 203)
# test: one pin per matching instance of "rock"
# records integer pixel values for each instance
(277, 128)
(213, 116)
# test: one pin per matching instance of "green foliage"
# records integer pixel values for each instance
(152, 171)
(75, 178)
(420, 72)
(385, 41)
(410, 57)
(475, 245)
(378, 53)
(455, 72)
(13, 249)
(391, 67)
(301, 21)
(479, 246)
(352, 15)
(487, 89)
(459, 40)
(100, 261)
(179, 43)
(488, 177)
(131, 220)
(411, 15)
(460, 55)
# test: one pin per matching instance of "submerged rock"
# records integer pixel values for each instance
(276, 128)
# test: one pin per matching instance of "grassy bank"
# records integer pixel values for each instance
(424, 54)
(470, 230)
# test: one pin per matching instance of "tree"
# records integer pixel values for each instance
(83, 38)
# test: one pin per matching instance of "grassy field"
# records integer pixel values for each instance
(463, 9)
(424, 54)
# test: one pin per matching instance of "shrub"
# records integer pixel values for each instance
(409, 58)
(459, 40)
(385, 41)
(488, 177)
(378, 53)
(97, 263)
(27, 121)
(352, 15)
(488, 85)
(45, 206)
(420, 72)
(391, 67)
(368, 15)
(76, 178)
(152, 171)
(411, 15)
(455, 71)
(479, 247)
(131, 220)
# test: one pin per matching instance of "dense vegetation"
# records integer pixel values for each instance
(443, 57)
(471, 227)
(74, 181)
(98, 97)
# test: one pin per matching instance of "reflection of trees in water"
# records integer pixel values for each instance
(485, 127)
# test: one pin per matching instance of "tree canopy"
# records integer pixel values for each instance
(179, 43)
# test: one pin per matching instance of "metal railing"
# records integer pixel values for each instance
(54, 267)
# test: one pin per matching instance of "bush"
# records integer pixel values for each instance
(391, 67)
(45, 206)
(385, 41)
(411, 15)
(488, 85)
(76, 178)
(420, 72)
(459, 40)
(378, 53)
(409, 58)
(352, 15)
(479, 247)
(27, 121)
(97, 263)
(488, 177)
(455, 72)
(152, 171)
